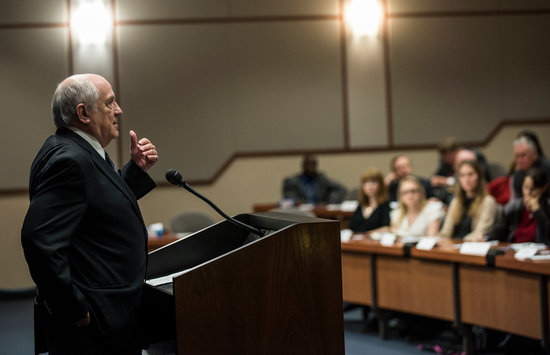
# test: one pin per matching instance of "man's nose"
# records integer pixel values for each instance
(118, 109)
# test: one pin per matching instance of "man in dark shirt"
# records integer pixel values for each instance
(401, 167)
(311, 186)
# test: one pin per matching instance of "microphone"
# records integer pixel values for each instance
(175, 178)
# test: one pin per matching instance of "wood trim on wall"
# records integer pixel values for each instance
(70, 58)
(240, 155)
(116, 78)
(473, 13)
(409, 147)
(229, 19)
(344, 77)
(387, 75)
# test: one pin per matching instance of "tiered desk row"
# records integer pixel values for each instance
(494, 291)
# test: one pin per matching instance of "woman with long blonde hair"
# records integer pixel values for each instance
(472, 211)
(415, 216)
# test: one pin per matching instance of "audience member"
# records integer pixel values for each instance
(473, 154)
(526, 156)
(415, 216)
(527, 219)
(533, 138)
(447, 150)
(444, 178)
(311, 186)
(373, 211)
(462, 154)
(401, 167)
(472, 210)
(501, 188)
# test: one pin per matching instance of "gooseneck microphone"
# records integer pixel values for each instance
(175, 178)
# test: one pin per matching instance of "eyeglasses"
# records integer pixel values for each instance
(412, 191)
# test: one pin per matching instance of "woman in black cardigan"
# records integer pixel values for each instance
(373, 212)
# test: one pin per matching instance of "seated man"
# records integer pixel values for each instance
(311, 186)
(525, 157)
(401, 167)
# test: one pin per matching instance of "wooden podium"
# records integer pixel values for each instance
(235, 293)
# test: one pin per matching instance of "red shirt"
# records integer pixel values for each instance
(526, 230)
(499, 188)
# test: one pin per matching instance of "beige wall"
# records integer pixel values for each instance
(210, 80)
(245, 182)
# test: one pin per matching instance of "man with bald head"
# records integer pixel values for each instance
(84, 238)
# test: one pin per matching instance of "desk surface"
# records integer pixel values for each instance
(447, 250)
(510, 296)
(157, 242)
(321, 211)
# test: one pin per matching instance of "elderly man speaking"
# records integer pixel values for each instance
(84, 238)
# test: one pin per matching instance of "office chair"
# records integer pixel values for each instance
(190, 222)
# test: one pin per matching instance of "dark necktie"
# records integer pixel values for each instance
(108, 159)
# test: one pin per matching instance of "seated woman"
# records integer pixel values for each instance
(527, 219)
(415, 216)
(472, 210)
(373, 211)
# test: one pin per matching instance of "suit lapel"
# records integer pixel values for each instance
(104, 167)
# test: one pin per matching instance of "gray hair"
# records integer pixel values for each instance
(525, 140)
(70, 93)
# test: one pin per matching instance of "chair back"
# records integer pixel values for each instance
(190, 222)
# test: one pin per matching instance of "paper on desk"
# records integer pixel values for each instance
(475, 248)
(345, 235)
(388, 239)
(426, 243)
(540, 257)
(519, 246)
(526, 253)
(349, 205)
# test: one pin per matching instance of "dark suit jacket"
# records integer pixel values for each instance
(83, 236)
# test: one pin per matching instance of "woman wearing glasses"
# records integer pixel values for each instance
(415, 216)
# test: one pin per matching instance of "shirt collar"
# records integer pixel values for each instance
(90, 139)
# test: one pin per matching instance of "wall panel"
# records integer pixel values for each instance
(42, 11)
(135, 10)
(397, 6)
(444, 78)
(213, 90)
(525, 58)
(31, 65)
(367, 92)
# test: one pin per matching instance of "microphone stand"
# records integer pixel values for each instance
(256, 231)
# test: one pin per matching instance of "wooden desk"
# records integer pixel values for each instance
(321, 211)
(441, 283)
(157, 242)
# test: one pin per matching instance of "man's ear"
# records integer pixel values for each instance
(82, 113)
